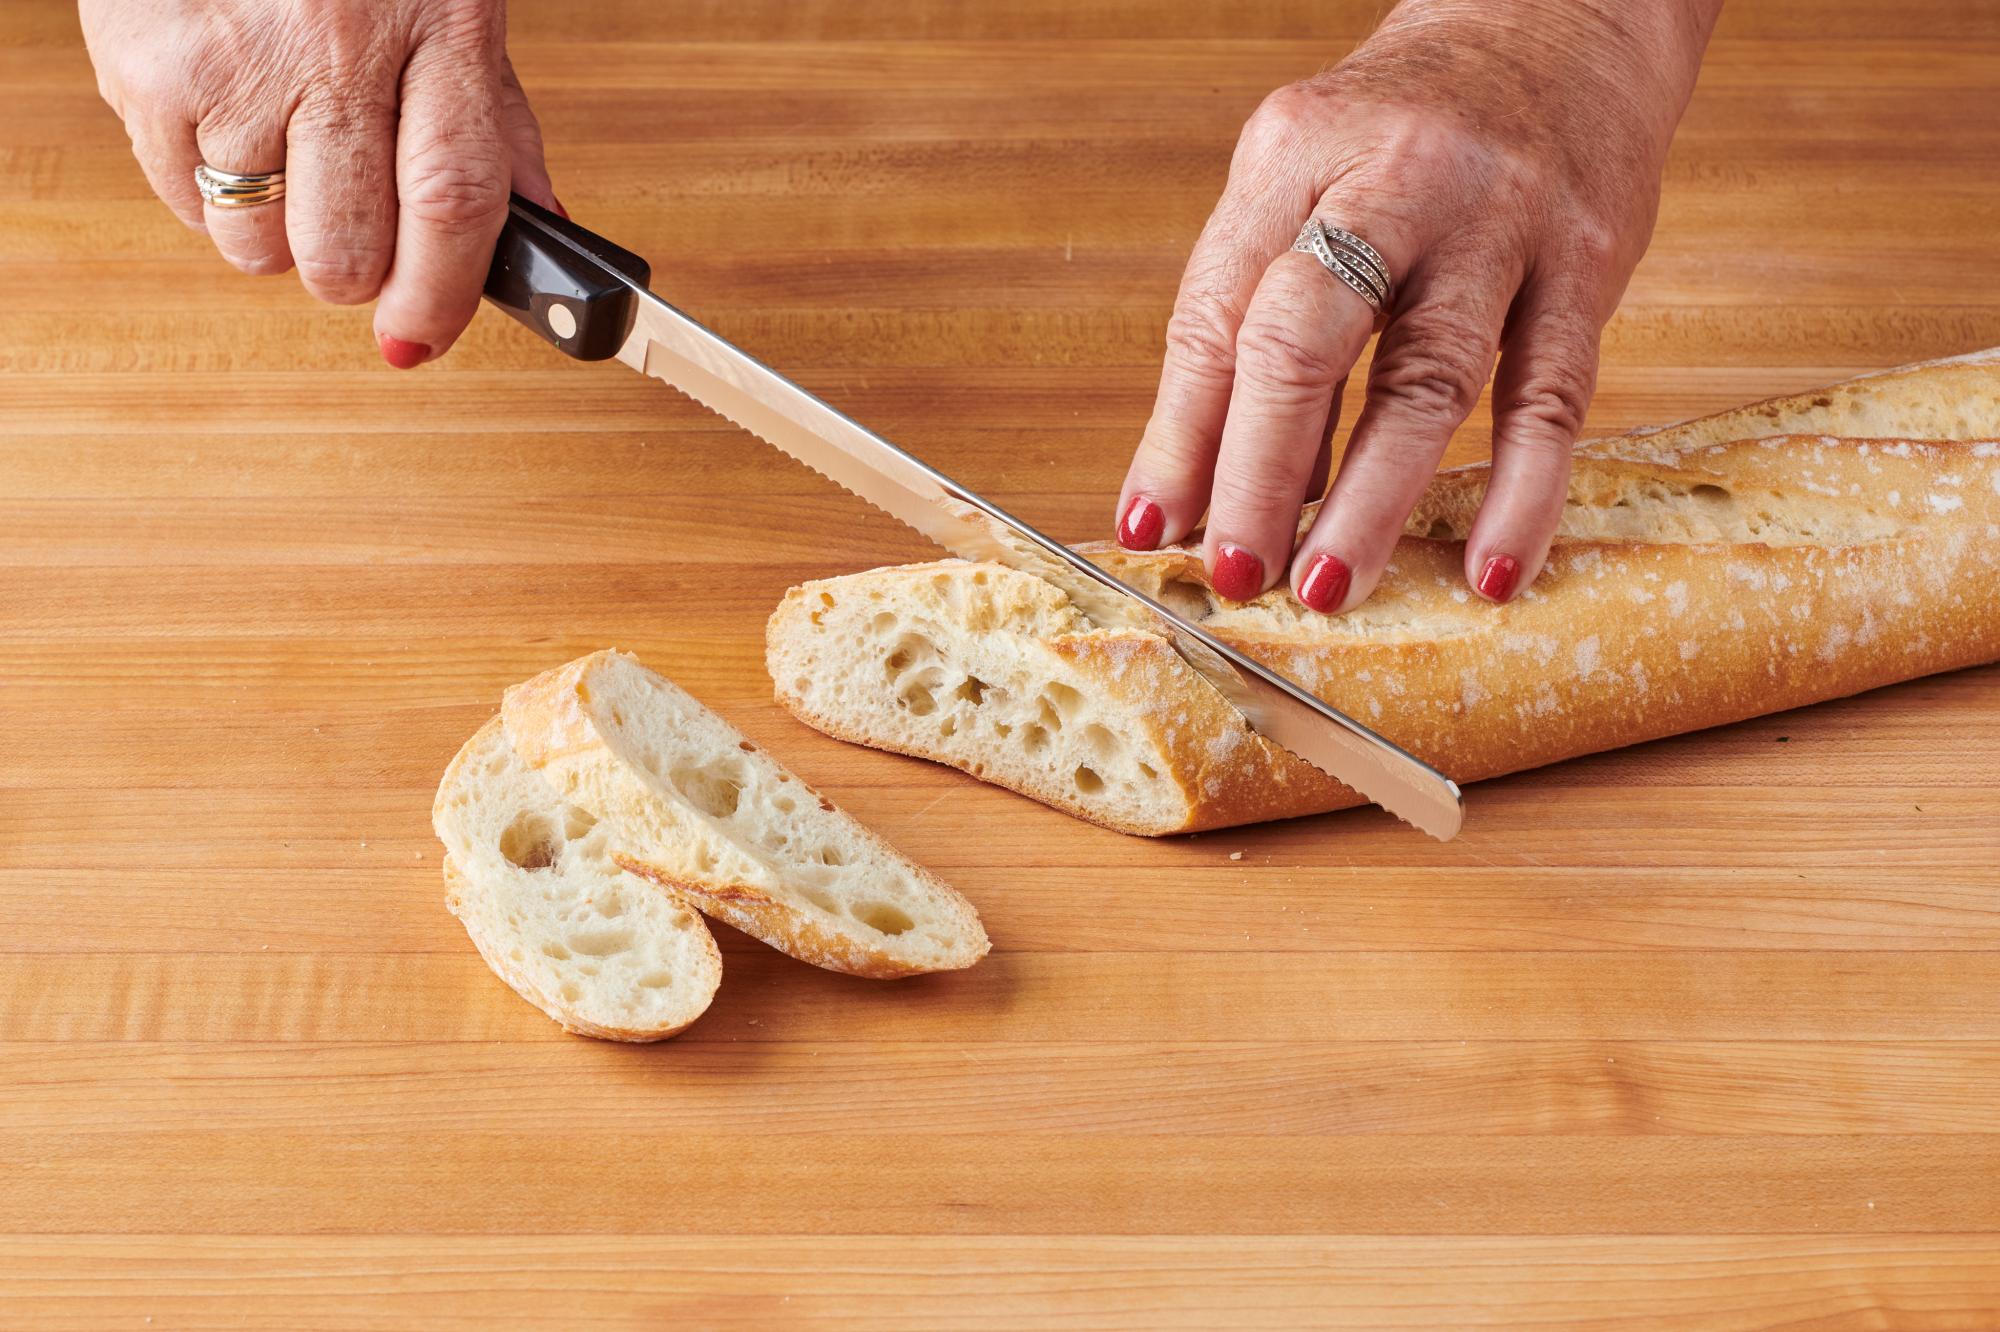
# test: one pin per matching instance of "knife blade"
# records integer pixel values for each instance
(590, 299)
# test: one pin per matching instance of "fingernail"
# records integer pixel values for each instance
(1143, 524)
(402, 354)
(1496, 580)
(1238, 573)
(563, 212)
(1325, 585)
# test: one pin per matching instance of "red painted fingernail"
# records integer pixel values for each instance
(402, 354)
(1143, 524)
(1238, 573)
(1496, 580)
(1325, 585)
(564, 212)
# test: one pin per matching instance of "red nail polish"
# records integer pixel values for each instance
(1143, 524)
(402, 354)
(1496, 580)
(1325, 585)
(1238, 573)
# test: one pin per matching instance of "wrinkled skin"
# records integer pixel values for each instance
(1504, 157)
(399, 124)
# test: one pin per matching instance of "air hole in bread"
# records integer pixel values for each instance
(918, 695)
(1149, 772)
(1088, 782)
(1035, 739)
(826, 600)
(883, 622)
(1189, 600)
(973, 690)
(1440, 530)
(1003, 729)
(820, 898)
(600, 943)
(883, 917)
(715, 790)
(577, 822)
(910, 650)
(570, 992)
(657, 980)
(830, 855)
(1066, 700)
(1046, 714)
(948, 727)
(1103, 745)
(611, 908)
(1708, 494)
(551, 948)
(529, 841)
(784, 804)
(801, 685)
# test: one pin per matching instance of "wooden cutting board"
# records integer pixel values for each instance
(1706, 1031)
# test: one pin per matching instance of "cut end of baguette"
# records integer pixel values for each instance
(699, 809)
(532, 879)
(993, 671)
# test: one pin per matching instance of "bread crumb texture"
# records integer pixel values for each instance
(1761, 559)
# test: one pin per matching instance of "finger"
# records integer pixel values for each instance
(1269, 195)
(167, 154)
(244, 143)
(523, 133)
(451, 183)
(1323, 464)
(1428, 370)
(1548, 371)
(340, 199)
(1300, 336)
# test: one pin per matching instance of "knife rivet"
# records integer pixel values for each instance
(562, 320)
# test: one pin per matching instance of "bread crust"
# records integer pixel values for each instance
(1702, 580)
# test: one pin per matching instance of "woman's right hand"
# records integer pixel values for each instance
(399, 125)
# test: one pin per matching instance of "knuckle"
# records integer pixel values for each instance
(1198, 334)
(460, 195)
(343, 275)
(1554, 399)
(1266, 491)
(1273, 357)
(1435, 370)
(1280, 119)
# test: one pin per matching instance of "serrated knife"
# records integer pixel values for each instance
(590, 299)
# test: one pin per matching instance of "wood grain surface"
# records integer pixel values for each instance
(1702, 1034)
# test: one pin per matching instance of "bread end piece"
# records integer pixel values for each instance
(698, 809)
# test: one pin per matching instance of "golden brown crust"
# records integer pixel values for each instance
(1778, 573)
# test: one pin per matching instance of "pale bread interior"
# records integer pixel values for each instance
(531, 878)
(952, 661)
(712, 812)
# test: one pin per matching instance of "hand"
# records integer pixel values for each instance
(1504, 158)
(399, 125)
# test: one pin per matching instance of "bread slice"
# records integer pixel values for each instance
(1695, 581)
(697, 808)
(533, 882)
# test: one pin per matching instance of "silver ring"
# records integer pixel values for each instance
(1349, 258)
(226, 189)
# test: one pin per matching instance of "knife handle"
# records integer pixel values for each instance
(570, 286)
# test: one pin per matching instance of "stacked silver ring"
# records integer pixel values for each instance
(226, 189)
(1353, 260)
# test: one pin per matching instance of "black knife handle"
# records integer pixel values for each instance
(571, 286)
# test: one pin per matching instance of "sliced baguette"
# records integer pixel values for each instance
(1694, 582)
(697, 808)
(533, 882)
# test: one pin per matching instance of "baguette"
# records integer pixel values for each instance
(1699, 577)
(532, 880)
(698, 809)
